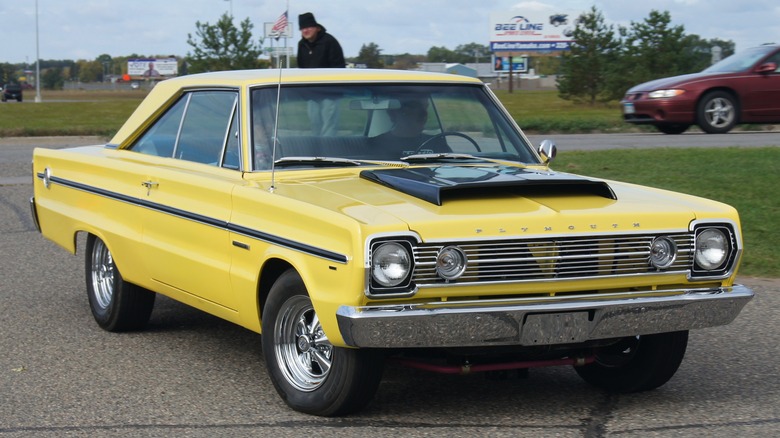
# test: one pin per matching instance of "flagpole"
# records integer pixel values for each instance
(279, 30)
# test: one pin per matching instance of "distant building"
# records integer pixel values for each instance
(484, 72)
(455, 69)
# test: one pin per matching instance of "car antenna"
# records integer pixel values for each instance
(276, 129)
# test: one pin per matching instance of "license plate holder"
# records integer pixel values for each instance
(628, 108)
(556, 328)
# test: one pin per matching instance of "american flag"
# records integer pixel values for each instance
(280, 25)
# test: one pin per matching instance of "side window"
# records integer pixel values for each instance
(263, 116)
(232, 157)
(776, 59)
(201, 126)
(205, 127)
(160, 139)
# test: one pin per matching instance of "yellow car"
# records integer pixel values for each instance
(353, 216)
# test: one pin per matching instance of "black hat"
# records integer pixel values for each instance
(307, 20)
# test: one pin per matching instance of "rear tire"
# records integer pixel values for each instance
(116, 305)
(638, 363)
(309, 373)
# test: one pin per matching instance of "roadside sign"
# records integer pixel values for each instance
(501, 64)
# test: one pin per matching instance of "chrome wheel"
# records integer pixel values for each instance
(303, 351)
(116, 305)
(719, 112)
(308, 372)
(102, 275)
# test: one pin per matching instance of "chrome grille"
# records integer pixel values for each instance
(553, 258)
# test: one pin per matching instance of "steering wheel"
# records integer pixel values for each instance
(446, 134)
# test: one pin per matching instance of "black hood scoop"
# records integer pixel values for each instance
(434, 184)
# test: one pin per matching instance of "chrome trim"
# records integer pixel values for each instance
(462, 258)
(550, 234)
(226, 140)
(47, 177)
(553, 258)
(554, 320)
(410, 237)
(735, 256)
(34, 212)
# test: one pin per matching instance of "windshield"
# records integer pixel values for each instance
(363, 123)
(739, 61)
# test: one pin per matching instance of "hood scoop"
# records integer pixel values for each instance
(434, 184)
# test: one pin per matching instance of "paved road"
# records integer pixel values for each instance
(638, 141)
(191, 374)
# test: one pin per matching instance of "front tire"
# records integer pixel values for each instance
(116, 305)
(717, 112)
(638, 363)
(309, 373)
(672, 128)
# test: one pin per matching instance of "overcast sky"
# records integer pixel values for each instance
(85, 29)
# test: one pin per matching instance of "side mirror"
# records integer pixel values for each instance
(548, 150)
(769, 67)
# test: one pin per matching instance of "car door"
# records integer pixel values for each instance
(189, 197)
(761, 98)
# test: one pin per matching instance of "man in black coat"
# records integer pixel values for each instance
(317, 48)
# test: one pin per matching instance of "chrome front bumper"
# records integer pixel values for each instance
(538, 321)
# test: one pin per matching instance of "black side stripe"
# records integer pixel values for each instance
(249, 232)
(297, 246)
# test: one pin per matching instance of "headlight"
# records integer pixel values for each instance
(450, 263)
(663, 252)
(390, 264)
(712, 249)
(658, 94)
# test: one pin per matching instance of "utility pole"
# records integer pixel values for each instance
(37, 59)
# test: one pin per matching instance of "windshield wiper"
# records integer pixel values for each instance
(417, 158)
(446, 156)
(316, 161)
(329, 162)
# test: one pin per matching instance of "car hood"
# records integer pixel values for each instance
(494, 202)
(434, 184)
(672, 82)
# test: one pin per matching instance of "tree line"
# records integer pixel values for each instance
(225, 46)
(603, 63)
(606, 61)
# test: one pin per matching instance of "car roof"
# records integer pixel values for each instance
(316, 75)
(244, 78)
(165, 91)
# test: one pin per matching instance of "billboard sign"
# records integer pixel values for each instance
(501, 64)
(535, 32)
(152, 67)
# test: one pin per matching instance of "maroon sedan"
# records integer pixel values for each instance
(743, 88)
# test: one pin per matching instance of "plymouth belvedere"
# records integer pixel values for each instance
(353, 217)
